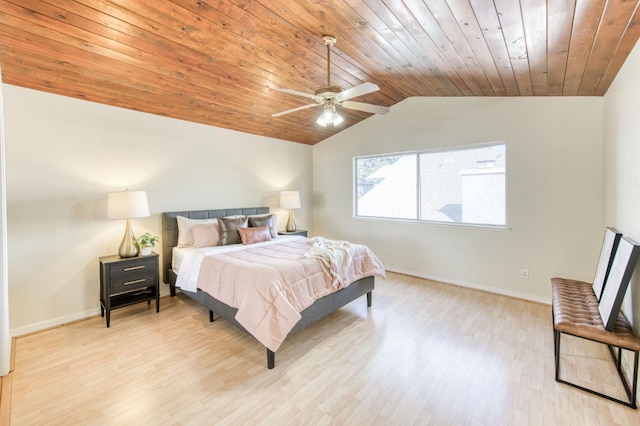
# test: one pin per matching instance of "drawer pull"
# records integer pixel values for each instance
(135, 282)
(134, 268)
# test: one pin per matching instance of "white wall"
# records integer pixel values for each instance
(64, 155)
(554, 180)
(622, 163)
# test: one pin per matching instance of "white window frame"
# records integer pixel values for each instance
(417, 154)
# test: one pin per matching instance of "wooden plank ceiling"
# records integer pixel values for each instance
(217, 61)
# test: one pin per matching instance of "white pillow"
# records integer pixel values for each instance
(185, 233)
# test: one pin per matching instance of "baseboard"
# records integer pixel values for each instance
(474, 286)
(33, 328)
(53, 323)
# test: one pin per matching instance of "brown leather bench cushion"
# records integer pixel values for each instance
(575, 311)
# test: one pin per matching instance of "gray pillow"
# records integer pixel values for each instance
(264, 220)
(229, 229)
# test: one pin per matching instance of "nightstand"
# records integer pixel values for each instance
(298, 232)
(125, 281)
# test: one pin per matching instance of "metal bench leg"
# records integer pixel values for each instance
(556, 348)
(631, 392)
(635, 379)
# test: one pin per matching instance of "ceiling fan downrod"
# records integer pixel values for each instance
(329, 41)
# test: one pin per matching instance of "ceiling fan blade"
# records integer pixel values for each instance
(359, 90)
(278, 114)
(297, 93)
(360, 106)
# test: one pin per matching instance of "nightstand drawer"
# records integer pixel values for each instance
(132, 282)
(137, 266)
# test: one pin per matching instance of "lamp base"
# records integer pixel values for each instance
(128, 246)
(291, 223)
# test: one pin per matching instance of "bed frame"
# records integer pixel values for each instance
(319, 309)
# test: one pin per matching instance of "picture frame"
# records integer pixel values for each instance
(609, 245)
(624, 262)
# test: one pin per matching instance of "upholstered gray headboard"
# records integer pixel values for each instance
(170, 228)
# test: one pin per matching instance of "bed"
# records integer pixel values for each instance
(320, 308)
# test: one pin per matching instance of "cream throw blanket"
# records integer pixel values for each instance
(335, 258)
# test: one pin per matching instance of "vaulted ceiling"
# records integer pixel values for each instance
(218, 62)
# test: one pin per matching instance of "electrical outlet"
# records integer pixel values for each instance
(524, 273)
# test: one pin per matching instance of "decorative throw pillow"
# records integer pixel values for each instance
(185, 233)
(206, 235)
(229, 229)
(268, 220)
(254, 235)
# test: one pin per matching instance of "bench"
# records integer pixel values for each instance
(592, 310)
(576, 312)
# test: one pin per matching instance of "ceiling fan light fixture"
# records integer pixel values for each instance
(329, 118)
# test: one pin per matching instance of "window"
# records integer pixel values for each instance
(463, 185)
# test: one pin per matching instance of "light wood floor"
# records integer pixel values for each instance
(425, 353)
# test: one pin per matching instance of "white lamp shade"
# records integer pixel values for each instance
(290, 199)
(127, 205)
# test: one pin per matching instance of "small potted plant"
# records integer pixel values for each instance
(146, 242)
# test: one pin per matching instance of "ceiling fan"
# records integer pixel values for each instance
(331, 96)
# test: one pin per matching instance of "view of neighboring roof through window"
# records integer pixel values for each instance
(463, 185)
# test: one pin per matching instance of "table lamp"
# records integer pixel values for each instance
(290, 200)
(127, 205)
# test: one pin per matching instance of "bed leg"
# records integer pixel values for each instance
(271, 359)
(369, 297)
(210, 316)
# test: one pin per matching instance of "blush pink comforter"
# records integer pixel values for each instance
(270, 285)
